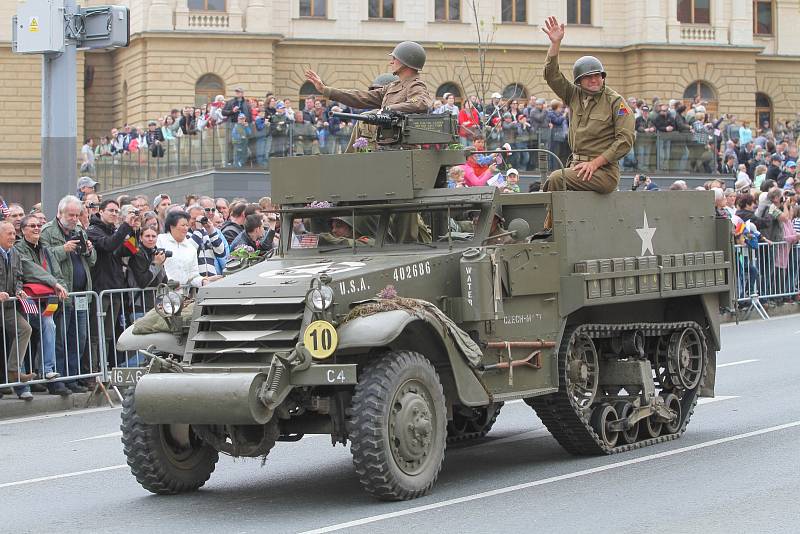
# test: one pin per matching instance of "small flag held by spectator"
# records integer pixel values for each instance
(29, 306)
(51, 307)
(131, 245)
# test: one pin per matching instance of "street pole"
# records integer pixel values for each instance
(59, 123)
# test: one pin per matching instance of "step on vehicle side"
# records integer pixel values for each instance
(411, 329)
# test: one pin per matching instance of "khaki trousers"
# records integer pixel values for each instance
(17, 329)
(604, 180)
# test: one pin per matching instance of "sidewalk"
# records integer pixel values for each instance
(12, 407)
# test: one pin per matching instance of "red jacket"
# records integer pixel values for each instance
(468, 119)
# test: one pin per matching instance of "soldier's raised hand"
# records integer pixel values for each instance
(554, 30)
(315, 80)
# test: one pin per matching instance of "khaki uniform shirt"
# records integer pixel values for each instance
(599, 124)
(404, 96)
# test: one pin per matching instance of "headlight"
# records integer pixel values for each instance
(169, 304)
(320, 298)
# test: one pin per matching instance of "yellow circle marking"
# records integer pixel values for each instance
(320, 339)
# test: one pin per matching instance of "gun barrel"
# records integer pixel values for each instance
(352, 116)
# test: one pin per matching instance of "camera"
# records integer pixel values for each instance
(203, 220)
(788, 193)
(167, 253)
(93, 205)
(78, 236)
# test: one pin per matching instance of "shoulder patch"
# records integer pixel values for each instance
(623, 109)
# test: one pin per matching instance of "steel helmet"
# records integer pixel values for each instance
(410, 54)
(382, 80)
(587, 65)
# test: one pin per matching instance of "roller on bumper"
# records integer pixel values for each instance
(218, 398)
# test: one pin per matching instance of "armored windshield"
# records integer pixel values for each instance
(392, 227)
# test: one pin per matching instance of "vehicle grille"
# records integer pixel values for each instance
(246, 329)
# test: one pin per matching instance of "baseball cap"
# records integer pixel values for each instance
(791, 164)
(775, 157)
(645, 108)
(280, 105)
(512, 170)
(497, 95)
(86, 181)
(157, 200)
(742, 185)
(241, 116)
(239, 90)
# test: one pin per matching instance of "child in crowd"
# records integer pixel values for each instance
(455, 177)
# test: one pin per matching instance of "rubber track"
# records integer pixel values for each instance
(571, 428)
(143, 461)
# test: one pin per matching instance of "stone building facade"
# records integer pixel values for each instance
(730, 51)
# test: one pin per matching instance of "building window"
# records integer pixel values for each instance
(515, 91)
(206, 5)
(762, 17)
(451, 88)
(513, 11)
(447, 10)
(206, 88)
(701, 92)
(314, 8)
(307, 90)
(579, 12)
(763, 110)
(381, 9)
(694, 11)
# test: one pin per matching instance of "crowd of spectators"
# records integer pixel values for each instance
(671, 135)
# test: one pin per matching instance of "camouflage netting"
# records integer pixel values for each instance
(420, 308)
(153, 323)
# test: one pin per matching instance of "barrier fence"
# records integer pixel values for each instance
(670, 152)
(79, 340)
(47, 341)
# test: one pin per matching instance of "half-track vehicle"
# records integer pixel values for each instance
(412, 328)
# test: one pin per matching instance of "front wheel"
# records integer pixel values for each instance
(165, 459)
(397, 426)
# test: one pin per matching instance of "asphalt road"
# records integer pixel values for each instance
(735, 470)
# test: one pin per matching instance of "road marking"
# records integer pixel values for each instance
(735, 363)
(709, 400)
(101, 436)
(551, 480)
(63, 475)
(58, 415)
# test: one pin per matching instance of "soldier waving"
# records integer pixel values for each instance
(601, 125)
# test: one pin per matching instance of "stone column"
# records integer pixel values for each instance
(718, 20)
(256, 16)
(741, 27)
(673, 26)
(159, 16)
(655, 24)
(235, 15)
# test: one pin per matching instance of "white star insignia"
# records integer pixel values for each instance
(646, 235)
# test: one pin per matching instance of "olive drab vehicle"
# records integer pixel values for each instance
(399, 315)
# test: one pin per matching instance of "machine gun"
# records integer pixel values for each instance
(408, 129)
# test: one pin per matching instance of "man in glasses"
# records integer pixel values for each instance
(222, 208)
(107, 273)
(65, 239)
(212, 248)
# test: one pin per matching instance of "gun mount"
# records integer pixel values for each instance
(411, 129)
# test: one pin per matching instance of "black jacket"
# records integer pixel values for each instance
(107, 272)
(143, 273)
(662, 121)
(230, 230)
(233, 116)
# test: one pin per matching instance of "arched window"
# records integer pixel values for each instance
(763, 110)
(206, 88)
(453, 89)
(307, 90)
(700, 92)
(515, 90)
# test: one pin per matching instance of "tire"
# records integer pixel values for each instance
(398, 390)
(156, 460)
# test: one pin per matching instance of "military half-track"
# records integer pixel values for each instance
(437, 307)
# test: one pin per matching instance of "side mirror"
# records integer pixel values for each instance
(519, 229)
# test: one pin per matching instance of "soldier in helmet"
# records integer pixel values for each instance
(342, 233)
(601, 126)
(406, 95)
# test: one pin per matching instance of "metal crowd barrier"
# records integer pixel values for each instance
(768, 273)
(59, 342)
(121, 307)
